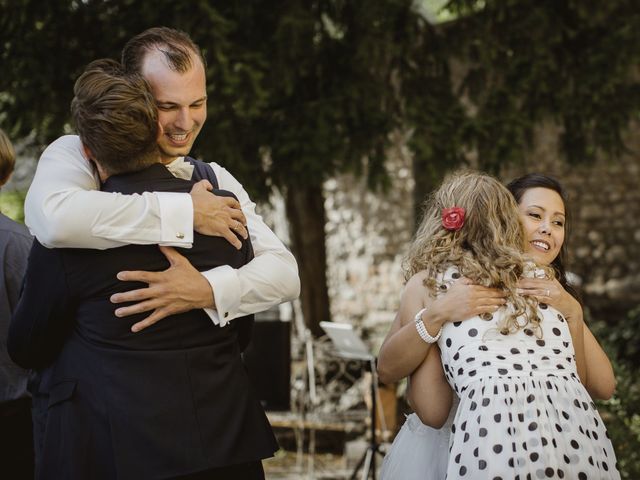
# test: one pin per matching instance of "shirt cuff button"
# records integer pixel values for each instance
(180, 235)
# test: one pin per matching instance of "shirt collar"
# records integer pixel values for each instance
(180, 168)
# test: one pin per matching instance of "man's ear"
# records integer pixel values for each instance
(160, 131)
(87, 152)
(92, 159)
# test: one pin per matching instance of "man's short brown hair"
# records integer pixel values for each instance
(7, 157)
(116, 117)
(176, 46)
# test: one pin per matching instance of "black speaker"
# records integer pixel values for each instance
(268, 361)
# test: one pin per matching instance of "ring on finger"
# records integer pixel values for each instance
(548, 292)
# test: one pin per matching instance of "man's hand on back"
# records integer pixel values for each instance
(217, 216)
(178, 289)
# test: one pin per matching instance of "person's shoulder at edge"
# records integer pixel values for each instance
(11, 227)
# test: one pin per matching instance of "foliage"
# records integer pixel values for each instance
(11, 205)
(315, 87)
(624, 339)
(623, 421)
(622, 412)
(300, 91)
(526, 60)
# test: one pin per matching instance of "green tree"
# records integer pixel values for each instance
(503, 66)
(528, 60)
(622, 412)
(302, 91)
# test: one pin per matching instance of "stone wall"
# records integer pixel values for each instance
(368, 233)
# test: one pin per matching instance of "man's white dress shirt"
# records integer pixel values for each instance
(64, 208)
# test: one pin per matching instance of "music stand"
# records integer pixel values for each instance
(349, 345)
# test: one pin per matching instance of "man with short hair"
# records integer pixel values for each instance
(63, 210)
(173, 401)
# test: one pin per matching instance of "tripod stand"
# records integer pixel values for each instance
(350, 346)
(368, 460)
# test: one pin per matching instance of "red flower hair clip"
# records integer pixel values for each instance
(453, 218)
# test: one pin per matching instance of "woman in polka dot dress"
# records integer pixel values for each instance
(523, 411)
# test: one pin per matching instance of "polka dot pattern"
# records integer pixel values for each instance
(523, 412)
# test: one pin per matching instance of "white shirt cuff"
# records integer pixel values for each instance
(176, 219)
(226, 294)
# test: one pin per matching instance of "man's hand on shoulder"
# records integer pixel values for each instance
(178, 289)
(217, 216)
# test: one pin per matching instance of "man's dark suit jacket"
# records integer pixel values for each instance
(170, 400)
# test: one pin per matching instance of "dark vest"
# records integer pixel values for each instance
(244, 325)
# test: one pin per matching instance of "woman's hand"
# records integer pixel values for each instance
(464, 300)
(553, 294)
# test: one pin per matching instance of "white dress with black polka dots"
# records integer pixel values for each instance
(523, 413)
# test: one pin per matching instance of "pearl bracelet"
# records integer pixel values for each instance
(422, 330)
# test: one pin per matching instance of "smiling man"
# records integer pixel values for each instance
(63, 208)
(180, 92)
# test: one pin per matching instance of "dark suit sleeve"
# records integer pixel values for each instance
(44, 314)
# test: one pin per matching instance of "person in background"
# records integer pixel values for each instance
(16, 438)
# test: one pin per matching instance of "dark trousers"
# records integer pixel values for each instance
(242, 471)
(16, 439)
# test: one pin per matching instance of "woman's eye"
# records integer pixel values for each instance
(534, 215)
(559, 223)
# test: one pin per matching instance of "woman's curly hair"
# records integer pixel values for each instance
(488, 249)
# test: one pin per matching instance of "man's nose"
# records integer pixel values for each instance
(183, 119)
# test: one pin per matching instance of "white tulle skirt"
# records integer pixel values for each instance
(418, 452)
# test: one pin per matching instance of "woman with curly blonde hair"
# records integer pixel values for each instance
(489, 249)
(514, 362)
